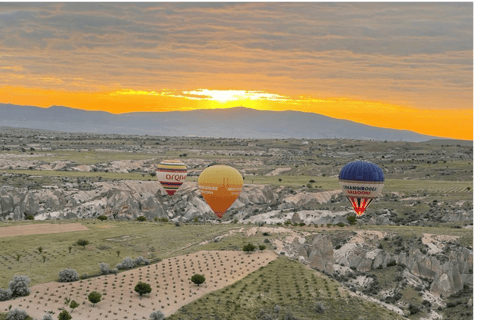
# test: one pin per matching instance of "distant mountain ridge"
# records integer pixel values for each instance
(237, 122)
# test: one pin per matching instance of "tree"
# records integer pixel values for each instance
(95, 297)
(83, 243)
(19, 286)
(262, 247)
(67, 275)
(198, 279)
(64, 315)
(352, 220)
(17, 314)
(157, 315)
(74, 304)
(249, 247)
(143, 288)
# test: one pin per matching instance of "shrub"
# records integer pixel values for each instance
(17, 314)
(289, 316)
(198, 279)
(164, 219)
(141, 219)
(427, 303)
(157, 315)
(47, 317)
(94, 297)
(104, 268)
(141, 261)
(126, 264)
(329, 225)
(19, 286)
(249, 247)
(30, 217)
(262, 247)
(177, 224)
(143, 288)
(319, 308)
(102, 217)
(67, 275)
(5, 294)
(413, 309)
(64, 315)
(301, 224)
(341, 224)
(352, 220)
(83, 243)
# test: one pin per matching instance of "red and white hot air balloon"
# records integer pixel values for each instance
(171, 174)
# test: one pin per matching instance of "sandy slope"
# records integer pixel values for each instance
(169, 279)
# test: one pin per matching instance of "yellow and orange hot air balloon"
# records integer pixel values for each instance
(220, 186)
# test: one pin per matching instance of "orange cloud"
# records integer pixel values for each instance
(450, 123)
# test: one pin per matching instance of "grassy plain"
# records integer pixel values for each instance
(130, 238)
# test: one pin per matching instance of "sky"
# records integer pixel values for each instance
(394, 65)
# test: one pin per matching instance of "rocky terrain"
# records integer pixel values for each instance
(412, 252)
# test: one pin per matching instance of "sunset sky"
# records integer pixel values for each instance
(394, 65)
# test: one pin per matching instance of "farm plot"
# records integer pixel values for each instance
(284, 289)
(169, 279)
(40, 229)
(42, 256)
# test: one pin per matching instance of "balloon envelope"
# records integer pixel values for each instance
(220, 186)
(361, 182)
(171, 174)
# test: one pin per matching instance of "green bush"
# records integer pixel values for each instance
(64, 315)
(198, 279)
(74, 304)
(352, 220)
(94, 297)
(142, 288)
(102, 217)
(249, 247)
(141, 219)
(83, 243)
(30, 217)
(262, 247)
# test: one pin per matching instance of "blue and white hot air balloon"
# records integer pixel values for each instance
(361, 182)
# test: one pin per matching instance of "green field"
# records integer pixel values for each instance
(291, 286)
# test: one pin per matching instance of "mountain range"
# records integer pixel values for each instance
(237, 122)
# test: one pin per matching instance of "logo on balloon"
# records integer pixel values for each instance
(175, 177)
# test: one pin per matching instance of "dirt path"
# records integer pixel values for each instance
(46, 228)
(169, 279)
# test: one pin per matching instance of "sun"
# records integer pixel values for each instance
(224, 96)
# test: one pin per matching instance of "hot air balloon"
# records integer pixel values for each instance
(361, 182)
(220, 186)
(171, 174)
